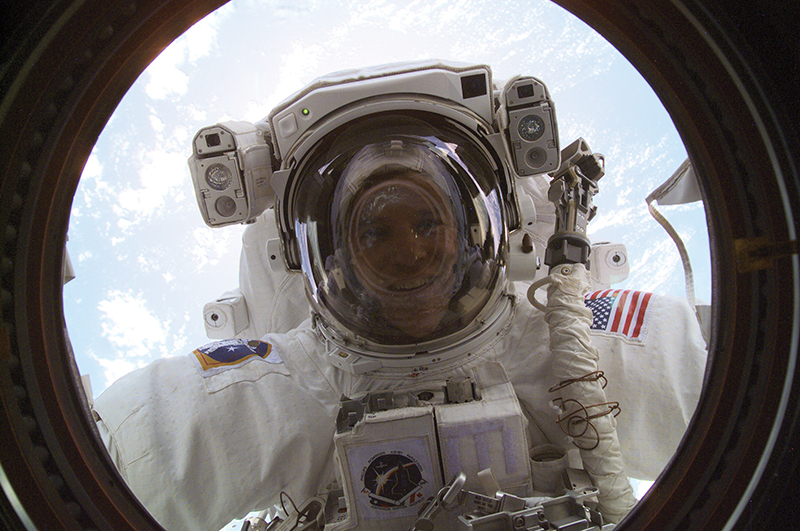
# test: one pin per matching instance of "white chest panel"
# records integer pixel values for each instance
(392, 460)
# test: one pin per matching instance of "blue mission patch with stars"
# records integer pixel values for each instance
(230, 352)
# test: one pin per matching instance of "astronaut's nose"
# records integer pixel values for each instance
(412, 249)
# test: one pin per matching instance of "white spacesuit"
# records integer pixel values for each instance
(404, 194)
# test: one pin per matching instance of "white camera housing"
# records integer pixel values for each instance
(456, 88)
(532, 127)
(231, 168)
(226, 316)
(609, 264)
(238, 167)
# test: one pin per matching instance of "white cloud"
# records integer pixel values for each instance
(145, 264)
(180, 340)
(163, 174)
(167, 74)
(615, 218)
(92, 188)
(182, 136)
(166, 77)
(156, 123)
(93, 169)
(124, 224)
(136, 335)
(198, 115)
(299, 66)
(201, 38)
(131, 326)
(656, 266)
(212, 245)
(114, 369)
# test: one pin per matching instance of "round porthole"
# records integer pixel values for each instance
(726, 76)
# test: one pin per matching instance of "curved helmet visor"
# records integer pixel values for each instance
(400, 230)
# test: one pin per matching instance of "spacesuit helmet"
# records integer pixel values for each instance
(395, 194)
(401, 231)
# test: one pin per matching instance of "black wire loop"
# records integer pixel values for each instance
(287, 513)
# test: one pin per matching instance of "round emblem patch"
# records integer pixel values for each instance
(393, 480)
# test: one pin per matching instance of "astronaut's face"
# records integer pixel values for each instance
(403, 243)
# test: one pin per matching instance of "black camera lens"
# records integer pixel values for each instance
(473, 86)
(525, 91)
(536, 157)
(225, 206)
(213, 140)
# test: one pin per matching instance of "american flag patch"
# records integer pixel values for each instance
(621, 312)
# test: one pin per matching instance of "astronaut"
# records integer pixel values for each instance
(411, 201)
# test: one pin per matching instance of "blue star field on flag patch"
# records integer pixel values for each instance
(620, 312)
(230, 352)
(601, 309)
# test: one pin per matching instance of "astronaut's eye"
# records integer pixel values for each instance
(426, 226)
(372, 236)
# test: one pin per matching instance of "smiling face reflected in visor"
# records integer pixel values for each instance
(400, 232)
(403, 243)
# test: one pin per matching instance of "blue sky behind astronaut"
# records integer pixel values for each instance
(145, 261)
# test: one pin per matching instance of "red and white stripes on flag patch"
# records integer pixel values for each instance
(621, 312)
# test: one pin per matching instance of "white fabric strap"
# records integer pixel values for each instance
(687, 264)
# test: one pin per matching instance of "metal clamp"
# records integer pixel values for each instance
(448, 498)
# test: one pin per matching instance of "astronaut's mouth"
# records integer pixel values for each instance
(411, 285)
